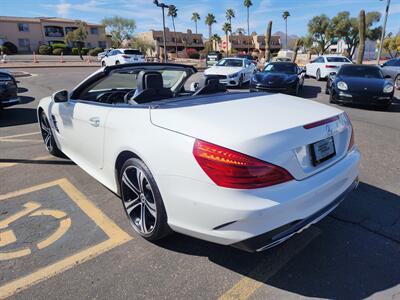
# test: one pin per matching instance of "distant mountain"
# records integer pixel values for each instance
(291, 38)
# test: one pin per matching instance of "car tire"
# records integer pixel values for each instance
(146, 212)
(296, 91)
(103, 64)
(117, 62)
(240, 82)
(397, 82)
(318, 75)
(48, 137)
(331, 96)
(326, 89)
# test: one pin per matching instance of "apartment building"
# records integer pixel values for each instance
(29, 33)
(253, 43)
(183, 40)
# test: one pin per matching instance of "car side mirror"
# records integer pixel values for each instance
(60, 96)
(388, 77)
(301, 71)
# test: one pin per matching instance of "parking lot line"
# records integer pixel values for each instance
(116, 237)
(18, 135)
(268, 268)
(11, 164)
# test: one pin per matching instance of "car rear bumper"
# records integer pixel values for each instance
(235, 217)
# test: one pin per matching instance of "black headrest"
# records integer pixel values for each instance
(149, 79)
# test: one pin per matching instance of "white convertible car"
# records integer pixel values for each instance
(233, 71)
(243, 169)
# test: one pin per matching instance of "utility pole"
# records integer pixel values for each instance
(162, 5)
(384, 29)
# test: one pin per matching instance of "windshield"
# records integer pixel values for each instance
(361, 71)
(337, 59)
(230, 63)
(280, 68)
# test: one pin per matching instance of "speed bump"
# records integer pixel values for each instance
(47, 229)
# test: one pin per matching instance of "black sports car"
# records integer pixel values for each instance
(8, 90)
(360, 84)
(285, 77)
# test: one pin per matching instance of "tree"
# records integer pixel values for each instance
(216, 39)
(268, 42)
(240, 30)
(173, 13)
(392, 45)
(195, 18)
(299, 43)
(230, 14)
(77, 36)
(210, 20)
(346, 28)
(361, 29)
(226, 28)
(285, 16)
(142, 44)
(120, 29)
(247, 4)
(320, 29)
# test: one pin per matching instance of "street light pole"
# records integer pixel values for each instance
(162, 5)
(383, 30)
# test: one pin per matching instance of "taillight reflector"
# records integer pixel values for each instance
(231, 169)
(322, 122)
(330, 66)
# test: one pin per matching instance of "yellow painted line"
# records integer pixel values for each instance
(11, 164)
(7, 237)
(268, 268)
(29, 207)
(19, 135)
(116, 237)
(13, 255)
(61, 230)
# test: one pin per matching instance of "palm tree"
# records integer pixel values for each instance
(247, 4)
(240, 30)
(173, 13)
(226, 28)
(230, 14)
(195, 18)
(210, 20)
(216, 39)
(285, 15)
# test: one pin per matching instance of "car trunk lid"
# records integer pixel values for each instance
(268, 127)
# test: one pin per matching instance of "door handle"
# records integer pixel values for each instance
(94, 121)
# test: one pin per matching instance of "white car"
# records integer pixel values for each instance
(323, 65)
(122, 56)
(233, 71)
(240, 169)
(101, 55)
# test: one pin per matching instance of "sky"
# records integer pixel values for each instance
(148, 16)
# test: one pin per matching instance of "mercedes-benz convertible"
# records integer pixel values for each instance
(242, 169)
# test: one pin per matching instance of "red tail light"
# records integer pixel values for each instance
(351, 143)
(231, 169)
(330, 66)
(125, 56)
(322, 122)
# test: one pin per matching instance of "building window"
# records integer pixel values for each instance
(69, 29)
(94, 30)
(24, 44)
(23, 27)
(102, 44)
(53, 31)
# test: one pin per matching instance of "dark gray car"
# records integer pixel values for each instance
(392, 68)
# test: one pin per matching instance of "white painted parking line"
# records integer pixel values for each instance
(18, 135)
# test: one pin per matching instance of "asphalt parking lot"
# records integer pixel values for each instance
(64, 235)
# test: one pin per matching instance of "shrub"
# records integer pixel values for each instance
(45, 50)
(95, 51)
(194, 55)
(59, 46)
(85, 51)
(58, 51)
(4, 49)
(74, 51)
(11, 47)
(190, 51)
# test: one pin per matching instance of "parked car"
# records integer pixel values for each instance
(8, 89)
(247, 56)
(392, 69)
(323, 65)
(233, 71)
(101, 55)
(243, 169)
(213, 57)
(122, 56)
(284, 77)
(360, 84)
